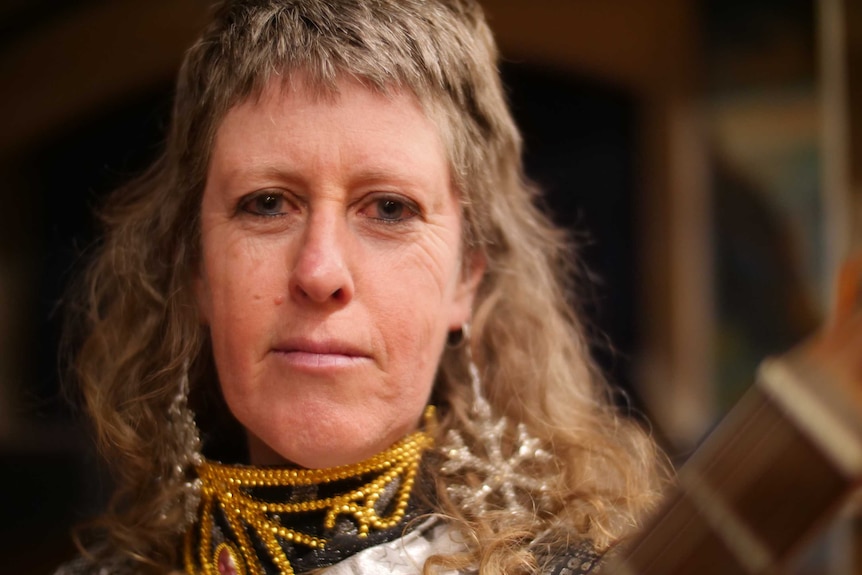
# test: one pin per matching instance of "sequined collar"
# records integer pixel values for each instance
(280, 521)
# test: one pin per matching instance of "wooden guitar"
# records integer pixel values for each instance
(776, 469)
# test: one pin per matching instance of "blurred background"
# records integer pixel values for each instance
(705, 154)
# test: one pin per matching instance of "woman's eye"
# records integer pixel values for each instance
(265, 204)
(392, 210)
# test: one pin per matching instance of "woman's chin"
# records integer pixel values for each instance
(320, 453)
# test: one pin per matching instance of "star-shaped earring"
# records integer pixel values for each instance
(505, 482)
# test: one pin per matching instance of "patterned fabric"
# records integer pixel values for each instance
(406, 556)
(403, 556)
(579, 561)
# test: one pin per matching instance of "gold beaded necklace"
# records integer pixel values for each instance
(258, 521)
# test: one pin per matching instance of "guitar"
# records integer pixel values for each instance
(780, 465)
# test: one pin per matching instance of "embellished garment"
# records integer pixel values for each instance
(281, 521)
(402, 556)
(407, 555)
(361, 519)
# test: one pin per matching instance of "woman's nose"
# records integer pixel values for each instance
(320, 272)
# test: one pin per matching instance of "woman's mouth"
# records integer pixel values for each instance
(317, 355)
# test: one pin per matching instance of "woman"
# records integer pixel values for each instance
(338, 244)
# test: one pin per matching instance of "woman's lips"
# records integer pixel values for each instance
(320, 355)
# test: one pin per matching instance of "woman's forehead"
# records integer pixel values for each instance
(299, 89)
(289, 128)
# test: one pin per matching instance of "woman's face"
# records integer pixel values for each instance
(331, 270)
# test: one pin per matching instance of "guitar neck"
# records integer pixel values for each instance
(776, 469)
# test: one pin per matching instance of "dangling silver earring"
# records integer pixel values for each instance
(504, 481)
(181, 422)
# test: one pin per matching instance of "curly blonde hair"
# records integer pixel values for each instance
(140, 320)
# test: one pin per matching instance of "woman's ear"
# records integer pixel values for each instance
(472, 273)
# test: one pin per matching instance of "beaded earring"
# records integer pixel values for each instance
(181, 422)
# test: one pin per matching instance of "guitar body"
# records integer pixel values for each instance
(776, 469)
